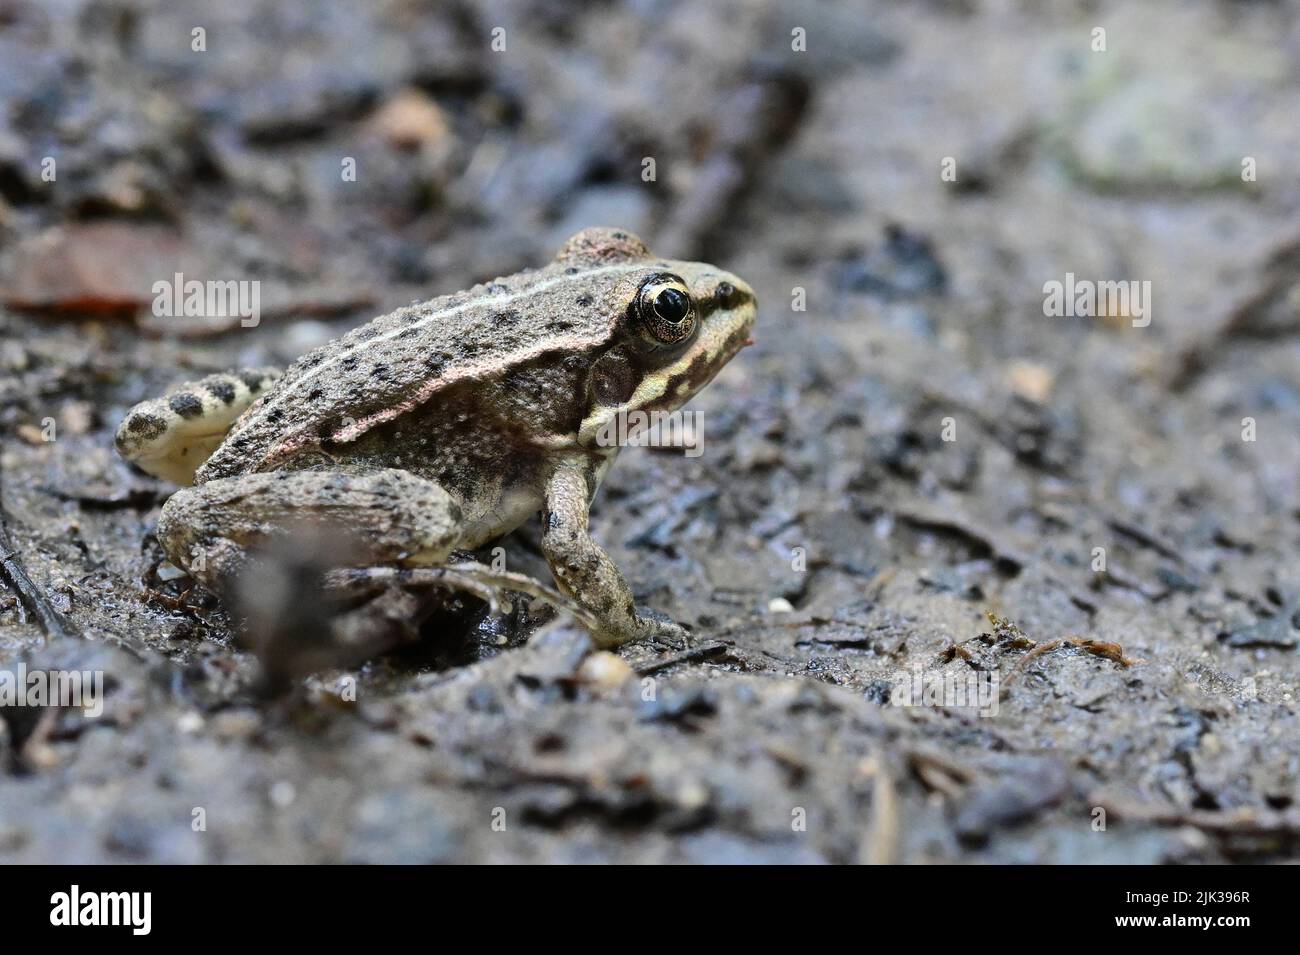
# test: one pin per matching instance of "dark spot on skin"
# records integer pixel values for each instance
(584, 300)
(408, 332)
(379, 372)
(620, 236)
(146, 425)
(314, 394)
(251, 379)
(185, 404)
(223, 391)
(350, 362)
(274, 415)
(571, 271)
(367, 332)
(505, 318)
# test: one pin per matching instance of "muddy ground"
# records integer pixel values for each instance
(918, 448)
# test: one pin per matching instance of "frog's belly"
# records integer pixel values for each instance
(512, 508)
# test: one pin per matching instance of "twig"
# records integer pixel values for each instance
(1245, 820)
(1007, 633)
(29, 595)
(881, 844)
(1100, 648)
(1148, 539)
(702, 652)
(940, 772)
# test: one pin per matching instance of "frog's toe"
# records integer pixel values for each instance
(662, 629)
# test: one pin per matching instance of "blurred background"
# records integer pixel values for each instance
(898, 182)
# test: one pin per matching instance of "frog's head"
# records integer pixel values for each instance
(682, 321)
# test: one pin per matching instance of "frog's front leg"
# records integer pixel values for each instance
(585, 572)
(380, 516)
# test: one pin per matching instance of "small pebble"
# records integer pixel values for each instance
(190, 722)
(1031, 381)
(169, 571)
(30, 433)
(236, 724)
(779, 605)
(604, 670)
(411, 119)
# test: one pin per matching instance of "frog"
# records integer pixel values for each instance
(437, 428)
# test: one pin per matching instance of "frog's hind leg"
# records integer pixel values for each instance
(171, 436)
(264, 541)
(358, 517)
(354, 520)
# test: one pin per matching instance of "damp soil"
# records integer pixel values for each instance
(915, 474)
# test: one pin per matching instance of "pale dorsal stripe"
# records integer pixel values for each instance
(286, 389)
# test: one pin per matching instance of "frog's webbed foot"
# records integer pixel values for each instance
(663, 630)
(478, 579)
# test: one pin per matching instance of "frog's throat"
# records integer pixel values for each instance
(360, 427)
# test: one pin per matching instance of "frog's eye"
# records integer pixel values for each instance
(666, 310)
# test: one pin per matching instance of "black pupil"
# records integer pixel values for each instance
(672, 306)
